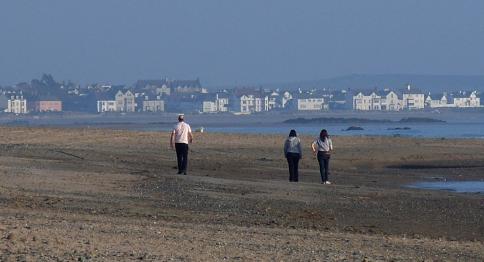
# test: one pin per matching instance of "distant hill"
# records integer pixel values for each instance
(431, 83)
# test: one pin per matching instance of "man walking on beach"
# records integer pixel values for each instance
(181, 137)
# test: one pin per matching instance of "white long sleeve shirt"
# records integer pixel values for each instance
(325, 146)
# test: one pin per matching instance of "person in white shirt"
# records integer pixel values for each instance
(322, 148)
(179, 140)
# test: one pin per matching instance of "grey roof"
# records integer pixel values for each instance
(183, 83)
(411, 91)
(365, 92)
(338, 96)
(140, 84)
(385, 92)
(223, 95)
(438, 96)
(48, 98)
(307, 96)
(238, 92)
(464, 94)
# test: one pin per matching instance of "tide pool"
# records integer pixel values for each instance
(455, 186)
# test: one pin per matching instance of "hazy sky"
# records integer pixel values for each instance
(237, 42)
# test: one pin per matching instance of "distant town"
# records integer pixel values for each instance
(190, 96)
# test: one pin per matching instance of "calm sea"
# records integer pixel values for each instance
(468, 126)
(430, 130)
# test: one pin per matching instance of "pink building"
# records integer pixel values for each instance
(48, 106)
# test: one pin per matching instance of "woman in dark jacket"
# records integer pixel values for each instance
(293, 153)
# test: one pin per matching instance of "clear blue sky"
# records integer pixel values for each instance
(237, 42)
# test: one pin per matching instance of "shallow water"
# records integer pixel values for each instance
(429, 130)
(455, 186)
(416, 130)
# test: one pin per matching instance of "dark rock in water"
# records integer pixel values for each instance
(334, 120)
(399, 128)
(420, 120)
(354, 128)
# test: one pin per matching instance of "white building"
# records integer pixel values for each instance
(261, 103)
(368, 102)
(390, 101)
(209, 107)
(250, 103)
(285, 98)
(153, 106)
(125, 102)
(438, 101)
(217, 103)
(106, 106)
(413, 99)
(386, 100)
(464, 100)
(17, 105)
(311, 103)
(273, 101)
(222, 102)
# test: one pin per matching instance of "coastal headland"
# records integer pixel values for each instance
(108, 195)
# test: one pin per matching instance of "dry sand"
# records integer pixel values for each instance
(103, 195)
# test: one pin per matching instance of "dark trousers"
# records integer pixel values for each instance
(182, 157)
(323, 159)
(293, 163)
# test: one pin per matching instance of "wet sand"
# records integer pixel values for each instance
(104, 195)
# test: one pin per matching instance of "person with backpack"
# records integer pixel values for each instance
(293, 153)
(322, 148)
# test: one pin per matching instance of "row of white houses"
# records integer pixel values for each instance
(123, 102)
(388, 101)
(126, 102)
(245, 102)
(460, 100)
(410, 99)
(257, 101)
(253, 101)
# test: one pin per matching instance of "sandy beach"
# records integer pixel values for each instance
(106, 195)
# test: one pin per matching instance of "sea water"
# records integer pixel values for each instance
(430, 130)
(455, 186)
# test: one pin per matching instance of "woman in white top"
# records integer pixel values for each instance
(322, 148)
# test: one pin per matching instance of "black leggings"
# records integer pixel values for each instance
(293, 163)
(323, 159)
